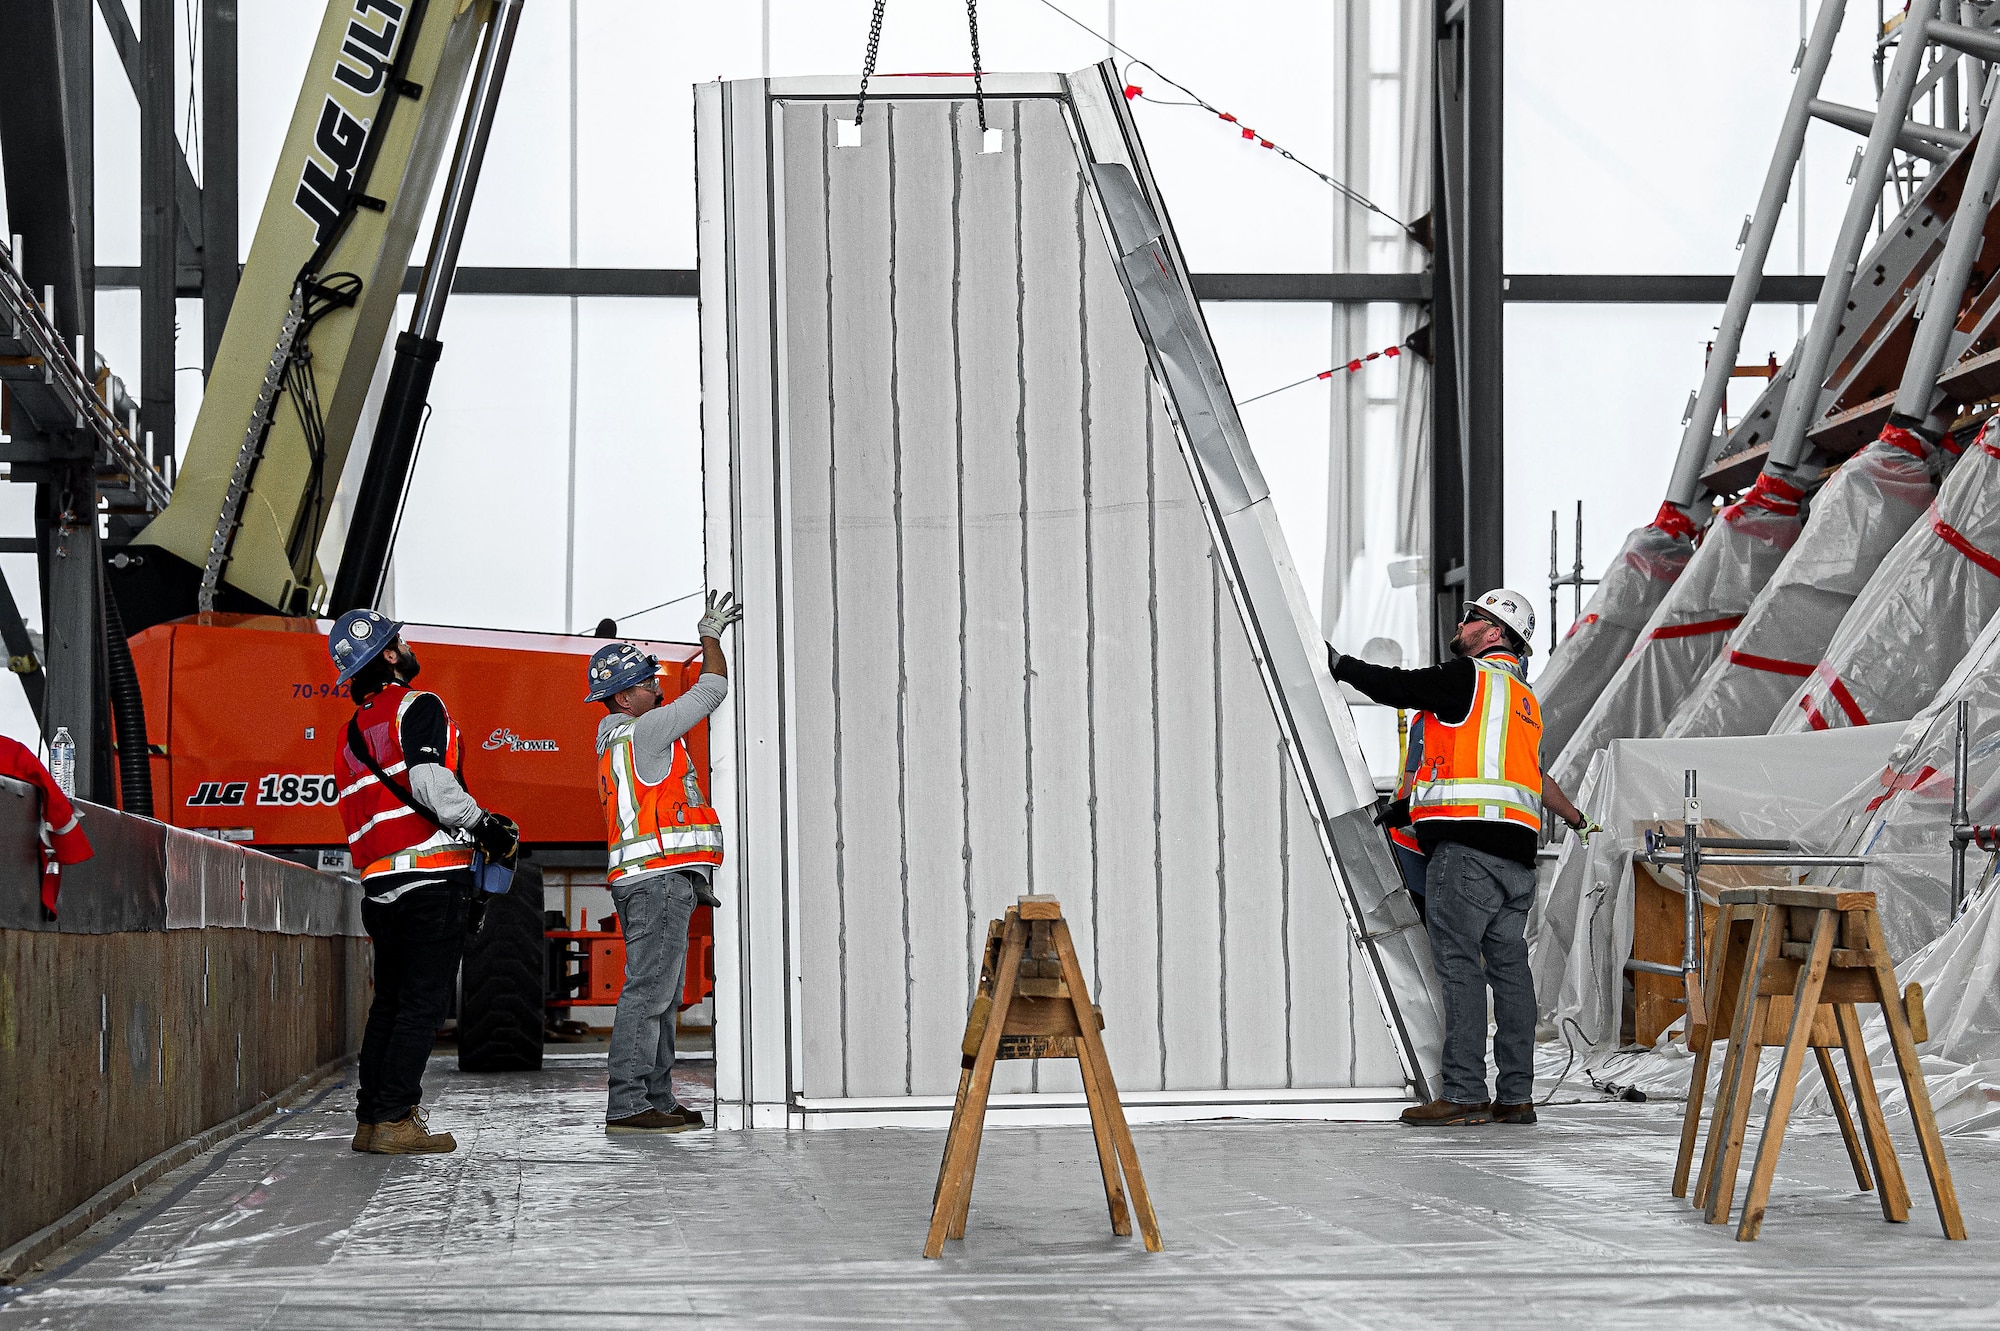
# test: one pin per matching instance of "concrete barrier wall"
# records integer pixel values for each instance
(185, 982)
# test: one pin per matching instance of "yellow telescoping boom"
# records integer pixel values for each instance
(313, 309)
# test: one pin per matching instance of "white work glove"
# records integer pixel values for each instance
(1583, 832)
(723, 610)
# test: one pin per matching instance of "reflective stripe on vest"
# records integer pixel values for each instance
(665, 825)
(383, 833)
(1488, 766)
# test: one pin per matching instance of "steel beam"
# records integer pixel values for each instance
(159, 230)
(45, 145)
(218, 172)
(131, 54)
(72, 634)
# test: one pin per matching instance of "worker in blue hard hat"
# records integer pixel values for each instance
(412, 829)
(664, 841)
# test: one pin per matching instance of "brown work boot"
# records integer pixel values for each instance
(1446, 1114)
(363, 1134)
(410, 1135)
(1520, 1114)
(652, 1121)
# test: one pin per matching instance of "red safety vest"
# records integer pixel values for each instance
(667, 825)
(1488, 766)
(385, 835)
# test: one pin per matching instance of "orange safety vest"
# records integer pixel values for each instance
(667, 825)
(385, 835)
(1488, 766)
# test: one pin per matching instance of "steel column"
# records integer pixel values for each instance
(218, 172)
(159, 226)
(73, 637)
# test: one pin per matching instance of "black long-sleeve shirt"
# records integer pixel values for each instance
(1445, 691)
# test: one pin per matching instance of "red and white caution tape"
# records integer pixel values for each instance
(1351, 367)
(1133, 92)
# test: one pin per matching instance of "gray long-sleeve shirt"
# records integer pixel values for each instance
(655, 734)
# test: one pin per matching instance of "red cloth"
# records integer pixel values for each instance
(63, 840)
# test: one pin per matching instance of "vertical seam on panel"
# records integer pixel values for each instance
(1285, 897)
(958, 517)
(1021, 455)
(1089, 578)
(1221, 809)
(1153, 667)
(902, 655)
(833, 583)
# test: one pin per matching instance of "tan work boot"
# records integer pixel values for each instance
(410, 1135)
(363, 1134)
(1521, 1114)
(1446, 1114)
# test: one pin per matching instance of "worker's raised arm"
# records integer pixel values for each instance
(1445, 690)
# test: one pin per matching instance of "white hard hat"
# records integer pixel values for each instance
(1509, 608)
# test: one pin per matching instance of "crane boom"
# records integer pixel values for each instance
(372, 124)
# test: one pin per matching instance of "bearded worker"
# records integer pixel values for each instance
(1475, 803)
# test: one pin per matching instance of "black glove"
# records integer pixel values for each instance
(498, 836)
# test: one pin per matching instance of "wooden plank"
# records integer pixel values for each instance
(1849, 1137)
(1889, 1187)
(1121, 1133)
(1094, 1081)
(1811, 898)
(1739, 1075)
(1805, 1005)
(954, 1193)
(1928, 1141)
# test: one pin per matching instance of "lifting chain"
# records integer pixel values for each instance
(978, 84)
(875, 43)
(868, 65)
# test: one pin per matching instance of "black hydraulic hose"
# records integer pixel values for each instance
(128, 711)
(385, 481)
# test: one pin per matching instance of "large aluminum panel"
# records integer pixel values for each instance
(994, 647)
(993, 644)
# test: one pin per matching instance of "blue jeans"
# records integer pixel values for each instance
(1479, 909)
(653, 911)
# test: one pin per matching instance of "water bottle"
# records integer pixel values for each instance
(62, 761)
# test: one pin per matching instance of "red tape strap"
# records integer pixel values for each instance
(1836, 689)
(1897, 437)
(1672, 521)
(1952, 537)
(1770, 663)
(1696, 630)
(1893, 781)
(1587, 619)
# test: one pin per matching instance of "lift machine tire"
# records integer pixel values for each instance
(500, 1011)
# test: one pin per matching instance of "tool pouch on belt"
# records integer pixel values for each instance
(490, 874)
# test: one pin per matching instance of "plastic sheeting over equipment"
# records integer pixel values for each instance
(1736, 557)
(1757, 786)
(1919, 615)
(1646, 566)
(1900, 816)
(1857, 516)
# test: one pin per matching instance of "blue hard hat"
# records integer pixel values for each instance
(358, 637)
(618, 667)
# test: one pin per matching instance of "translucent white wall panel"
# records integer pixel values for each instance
(1007, 658)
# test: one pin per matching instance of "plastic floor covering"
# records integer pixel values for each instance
(540, 1221)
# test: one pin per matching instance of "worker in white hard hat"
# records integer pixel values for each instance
(1475, 806)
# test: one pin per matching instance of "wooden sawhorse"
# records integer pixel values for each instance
(1788, 966)
(1032, 1003)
